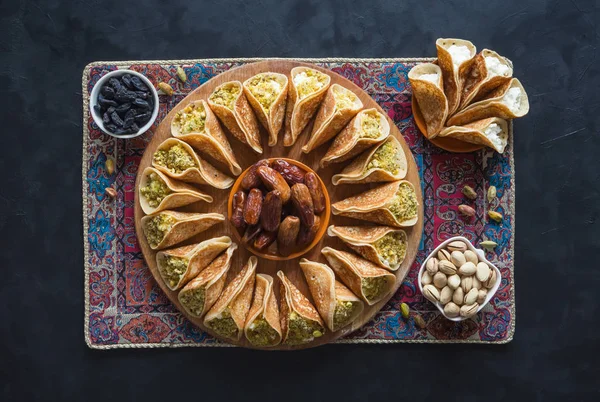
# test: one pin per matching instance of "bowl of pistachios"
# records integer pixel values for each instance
(458, 279)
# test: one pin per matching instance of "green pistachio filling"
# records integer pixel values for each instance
(265, 89)
(193, 300)
(344, 310)
(155, 190)
(374, 287)
(344, 99)
(224, 325)
(391, 248)
(302, 331)
(404, 203)
(371, 125)
(385, 158)
(226, 96)
(156, 228)
(191, 119)
(173, 269)
(260, 333)
(308, 82)
(176, 159)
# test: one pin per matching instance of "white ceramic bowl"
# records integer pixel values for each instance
(94, 100)
(481, 255)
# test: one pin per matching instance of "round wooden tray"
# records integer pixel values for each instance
(246, 157)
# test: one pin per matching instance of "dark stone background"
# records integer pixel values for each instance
(44, 46)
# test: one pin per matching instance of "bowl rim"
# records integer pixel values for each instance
(325, 215)
(93, 100)
(481, 255)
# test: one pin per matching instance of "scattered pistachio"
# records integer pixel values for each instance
(181, 74)
(405, 310)
(420, 322)
(488, 245)
(469, 192)
(110, 166)
(165, 88)
(491, 194)
(497, 216)
(466, 210)
(111, 192)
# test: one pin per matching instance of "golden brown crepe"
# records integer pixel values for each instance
(335, 302)
(491, 132)
(178, 160)
(262, 325)
(365, 279)
(367, 128)
(338, 108)
(199, 295)
(382, 245)
(509, 103)
(167, 228)
(231, 107)
(383, 162)
(307, 88)
(204, 133)
(177, 266)
(455, 58)
(267, 93)
(228, 315)
(427, 86)
(158, 192)
(488, 71)
(300, 321)
(392, 204)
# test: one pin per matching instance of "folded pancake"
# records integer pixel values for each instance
(508, 102)
(367, 128)
(382, 245)
(336, 303)
(177, 266)
(158, 192)
(197, 125)
(383, 162)
(455, 58)
(427, 86)
(491, 132)
(231, 107)
(392, 204)
(488, 71)
(267, 93)
(178, 160)
(167, 228)
(307, 89)
(368, 281)
(262, 326)
(338, 108)
(300, 321)
(199, 295)
(228, 315)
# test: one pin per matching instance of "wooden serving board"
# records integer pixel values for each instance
(246, 157)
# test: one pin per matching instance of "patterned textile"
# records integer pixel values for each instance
(126, 308)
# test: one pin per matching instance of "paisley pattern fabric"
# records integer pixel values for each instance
(126, 308)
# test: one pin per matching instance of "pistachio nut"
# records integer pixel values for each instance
(469, 192)
(469, 310)
(405, 310)
(454, 281)
(467, 269)
(458, 258)
(440, 280)
(111, 192)
(497, 216)
(431, 293)
(466, 210)
(476, 283)
(443, 255)
(165, 88)
(458, 296)
(420, 322)
(432, 265)
(466, 283)
(488, 245)
(483, 272)
(451, 310)
(471, 296)
(481, 295)
(110, 166)
(426, 279)
(181, 74)
(471, 256)
(446, 295)
(457, 245)
(447, 267)
(491, 280)
(491, 194)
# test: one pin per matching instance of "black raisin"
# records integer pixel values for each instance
(142, 104)
(116, 119)
(106, 118)
(134, 128)
(110, 127)
(141, 94)
(123, 108)
(143, 118)
(126, 80)
(111, 109)
(129, 118)
(124, 95)
(98, 109)
(106, 102)
(108, 92)
(138, 84)
(115, 83)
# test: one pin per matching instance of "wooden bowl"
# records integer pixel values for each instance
(324, 215)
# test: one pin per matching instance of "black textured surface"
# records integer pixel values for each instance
(45, 45)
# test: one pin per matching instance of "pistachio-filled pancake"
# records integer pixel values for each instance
(307, 89)
(383, 162)
(393, 204)
(262, 326)
(228, 315)
(267, 94)
(455, 58)
(199, 295)
(300, 321)
(178, 160)
(427, 85)
(335, 302)
(177, 266)
(488, 71)
(509, 102)
(167, 228)
(367, 128)
(491, 132)
(382, 245)
(231, 107)
(197, 125)
(337, 109)
(158, 192)
(368, 281)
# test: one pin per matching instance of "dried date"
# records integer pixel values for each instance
(303, 203)
(291, 173)
(274, 181)
(307, 234)
(264, 240)
(253, 206)
(316, 191)
(271, 211)
(237, 213)
(251, 179)
(287, 234)
(250, 233)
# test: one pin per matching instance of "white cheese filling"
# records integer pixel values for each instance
(495, 67)
(494, 133)
(430, 77)
(459, 54)
(512, 99)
